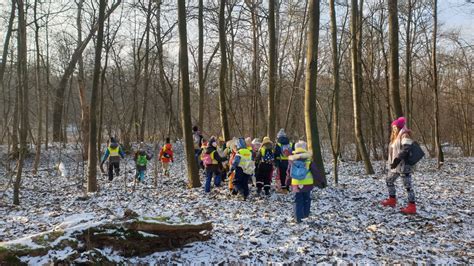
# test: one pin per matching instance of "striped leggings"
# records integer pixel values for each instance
(407, 182)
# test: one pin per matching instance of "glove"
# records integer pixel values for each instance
(395, 163)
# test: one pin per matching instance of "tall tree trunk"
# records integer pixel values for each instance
(201, 64)
(38, 86)
(222, 73)
(394, 71)
(6, 44)
(335, 140)
(60, 91)
(439, 150)
(272, 71)
(408, 52)
(85, 108)
(356, 89)
(310, 112)
(146, 80)
(23, 89)
(193, 175)
(92, 164)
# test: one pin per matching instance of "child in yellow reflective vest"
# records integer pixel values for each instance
(243, 167)
(112, 155)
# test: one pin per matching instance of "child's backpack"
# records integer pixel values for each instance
(299, 170)
(267, 156)
(415, 154)
(142, 160)
(166, 153)
(286, 150)
(207, 158)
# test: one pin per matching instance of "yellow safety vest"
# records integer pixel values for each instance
(282, 156)
(246, 162)
(308, 179)
(114, 152)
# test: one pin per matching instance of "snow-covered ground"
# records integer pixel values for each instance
(346, 223)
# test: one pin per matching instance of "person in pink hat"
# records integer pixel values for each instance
(398, 152)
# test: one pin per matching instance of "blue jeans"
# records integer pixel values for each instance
(140, 175)
(241, 182)
(217, 180)
(302, 205)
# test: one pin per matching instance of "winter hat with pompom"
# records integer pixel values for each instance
(399, 122)
(281, 133)
(301, 147)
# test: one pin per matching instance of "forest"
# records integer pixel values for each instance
(334, 75)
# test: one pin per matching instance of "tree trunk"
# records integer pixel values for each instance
(146, 80)
(191, 164)
(8, 34)
(38, 86)
(310, 113)
(356, 90)
(23, 92)
(439, 151)
(335, 140)
(201, 64)
(394, 71)
(92, 164)
(60, 91)
(408, 52)
(272, 69)
(223, 71)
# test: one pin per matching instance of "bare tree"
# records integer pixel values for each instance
(39, 92)
(223, 71)
(394, 71)
(201, 63)
(193, 175)
(272, 69)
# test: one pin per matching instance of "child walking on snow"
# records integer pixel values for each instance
(166, 157)
(264, 159)
(211, 160)
(141, 160)
(243, 167)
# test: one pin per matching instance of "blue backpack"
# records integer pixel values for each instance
(299, 170)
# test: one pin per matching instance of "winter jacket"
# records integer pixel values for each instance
(142, 153)
(301, 185)
(113, 153)
(166, 153)
(238, 159)
(399, 151)
(283, 140)
(197, 140)
(261, 152)
(217, 158)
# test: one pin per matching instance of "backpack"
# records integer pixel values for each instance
(166, 153)
(299, 170)
(286, 150)
(267, 155)
(142, 160)
(415, 154)
(207, 158)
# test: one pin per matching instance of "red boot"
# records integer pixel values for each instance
(391, 201)
(409, 209)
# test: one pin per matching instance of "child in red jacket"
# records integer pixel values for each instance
(166, 156)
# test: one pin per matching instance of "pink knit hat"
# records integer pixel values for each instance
(399, 122)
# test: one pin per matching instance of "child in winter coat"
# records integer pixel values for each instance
(243, 167)
(399, 150)
(231, 152)
(302, 173)
(221, 149)
(141, 159)
(264, 160)
(166, 157)
(112, 155)
(283, 150)
(211, 160)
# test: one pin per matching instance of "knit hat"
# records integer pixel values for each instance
(195, 128)
(266, 140)
(281, 133)
(112, 140)
(256, 141)
(212, 142)
(400, 122)
(301, 147)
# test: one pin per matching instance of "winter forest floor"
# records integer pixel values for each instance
(346, 223)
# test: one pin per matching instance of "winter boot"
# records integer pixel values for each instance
(409, 209)
(391, 202)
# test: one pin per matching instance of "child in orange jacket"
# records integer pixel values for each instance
(166, 156)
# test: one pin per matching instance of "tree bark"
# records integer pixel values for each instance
(439, 150)
(223, 72)
(23, 92)
(408, 52)
(335, 140)
(39, 92)
(193, 175)
(394, 65)
(272, 71)
(201, 64)
(6, 44)
(310, 112)
(92, 164)
(146, 80)
(356, 90)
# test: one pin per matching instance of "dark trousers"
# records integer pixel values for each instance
(302, 205)
(197, 153)
(217, 179)
(282, 168)
(241, 182)
(264, 177)
(113, 166)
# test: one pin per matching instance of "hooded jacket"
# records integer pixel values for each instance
(113, 153)
(166, 153)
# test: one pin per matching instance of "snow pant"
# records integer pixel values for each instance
(166, 168)
(282, 168)
(217, 179)
(407, 182)
(140, 175)
(113, 166)
(241, 182)
(302, 205)
(264, 177)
